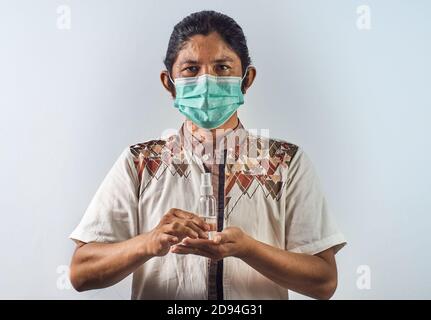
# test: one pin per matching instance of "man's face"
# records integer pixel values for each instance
(206, 55)
(211, 55)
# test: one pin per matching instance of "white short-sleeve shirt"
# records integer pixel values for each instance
(271, 191)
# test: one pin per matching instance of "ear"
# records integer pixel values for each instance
(249, 78)
(167, 84)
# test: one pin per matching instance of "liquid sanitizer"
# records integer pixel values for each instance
(207, 204)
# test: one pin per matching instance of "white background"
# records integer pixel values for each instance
(358, 101)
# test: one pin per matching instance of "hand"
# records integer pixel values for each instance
(231, 242)
(175, 225)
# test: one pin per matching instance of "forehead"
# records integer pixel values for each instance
(207, 48)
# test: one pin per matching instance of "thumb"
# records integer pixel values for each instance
(220, 237)
(168, 239)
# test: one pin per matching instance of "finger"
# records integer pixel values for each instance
(183, 214)
(191, 216)
(222, 237)
(188, 232)
(182, 250)
(202, 244)
(178, 229)
(201, 223)
(191, 225)
(167, 238)
(179, 249)
(189, 228)
(218, 237)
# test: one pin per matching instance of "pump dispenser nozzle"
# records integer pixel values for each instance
(206, 186)
(207, 204)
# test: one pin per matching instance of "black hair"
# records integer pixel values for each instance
(205, 22)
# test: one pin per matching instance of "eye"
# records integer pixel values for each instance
(192, 69)
(223, 67)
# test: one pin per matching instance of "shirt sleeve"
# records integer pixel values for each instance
(310, 228)
(112, 214)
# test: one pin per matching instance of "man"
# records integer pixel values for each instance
(274, 229)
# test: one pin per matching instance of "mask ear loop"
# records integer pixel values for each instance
(245, 73)
(169, 75)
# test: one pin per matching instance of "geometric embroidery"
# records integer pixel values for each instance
(154, 158)
(264, 171)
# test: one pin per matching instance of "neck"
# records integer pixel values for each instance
(232, 123)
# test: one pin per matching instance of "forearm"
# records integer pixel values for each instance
(310, 275)
(99, 265)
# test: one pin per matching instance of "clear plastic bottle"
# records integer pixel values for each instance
(207, 204)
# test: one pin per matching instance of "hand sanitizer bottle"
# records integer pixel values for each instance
(207, 204)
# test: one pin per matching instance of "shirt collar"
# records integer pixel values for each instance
(202, 147)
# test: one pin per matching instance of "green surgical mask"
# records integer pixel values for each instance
(208, 101)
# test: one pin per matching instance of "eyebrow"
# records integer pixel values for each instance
(193, 61)
(223, 59)
(188, 61)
